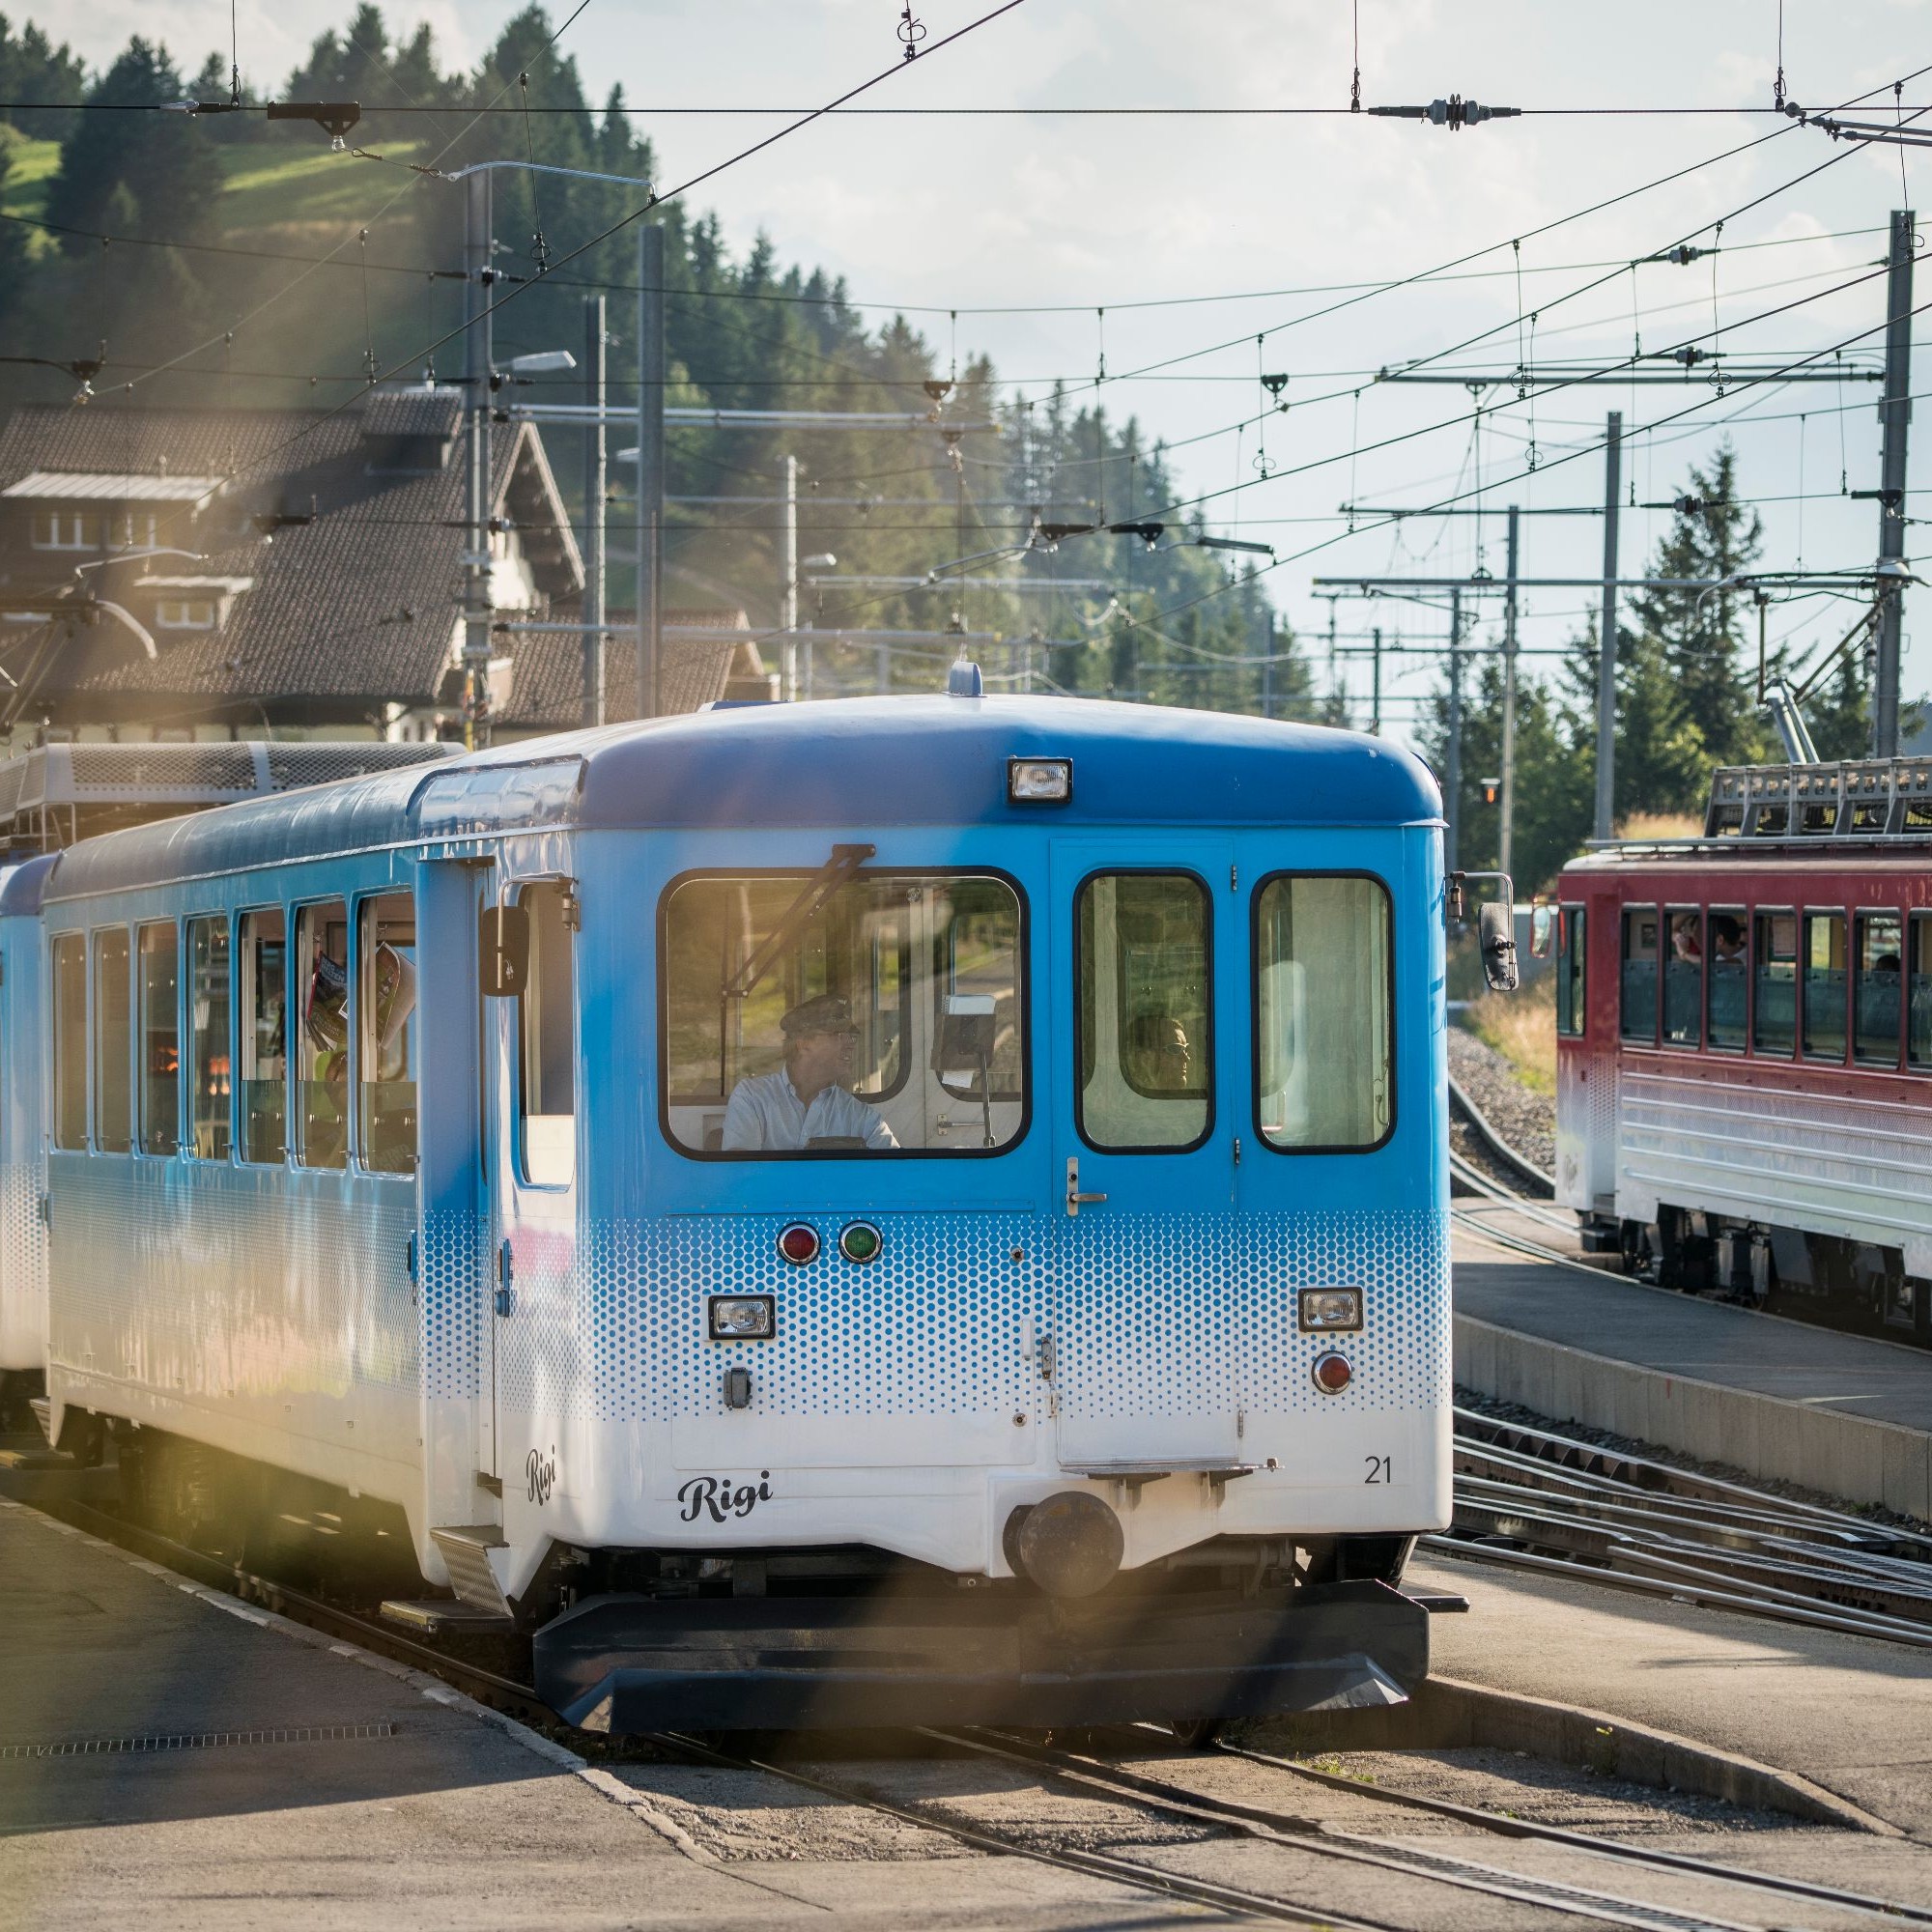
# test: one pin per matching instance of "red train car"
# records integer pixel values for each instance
(1744, 1046)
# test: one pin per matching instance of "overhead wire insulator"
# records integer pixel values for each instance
(1454, 113)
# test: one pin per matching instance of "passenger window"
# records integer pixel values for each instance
(161, 1040)
(1146, 1040)
(322, 1067)
(113, 1049)
(1572, 1014)
(1639, 973)
(1919, 1036)
(1825, 986)
(1774, 989)
(208, 1036)
(1683, 981)
(1875, 993)
(1325, 991)
(876, 1014)
(1727, 973)
(264, 1035)
(385, 1008)
(69, 976)
(547, 1089)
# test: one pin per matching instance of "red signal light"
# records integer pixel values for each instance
(1332, 1373)
(799, 1244)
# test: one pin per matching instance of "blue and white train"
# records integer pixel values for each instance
(919, 1209)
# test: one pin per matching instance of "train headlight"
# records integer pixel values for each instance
(742, 1318)
(1328, 1311)
(1040, 781)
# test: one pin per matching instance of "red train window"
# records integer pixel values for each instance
(1639, 989)
(1877, 990)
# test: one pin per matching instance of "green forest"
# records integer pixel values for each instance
(219, 260)
(182, 254)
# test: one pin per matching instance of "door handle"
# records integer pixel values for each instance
(1076, 1200)
(506, 1293)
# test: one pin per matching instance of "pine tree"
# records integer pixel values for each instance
(1701, 634)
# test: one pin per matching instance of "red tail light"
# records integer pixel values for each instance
(1332, 1373)
(799, 1244)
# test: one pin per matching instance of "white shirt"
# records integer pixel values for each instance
(765, 1112)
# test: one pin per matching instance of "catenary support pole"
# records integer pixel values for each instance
(650, 467)
(478, 279)
(1895, 414)
(1375, 687)
(1452, 790)
(1506, 836)
(1607, 634)
(596, 491)
(788, 602)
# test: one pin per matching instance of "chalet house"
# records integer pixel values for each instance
(177, 574)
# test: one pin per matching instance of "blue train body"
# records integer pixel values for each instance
(1132, 1078)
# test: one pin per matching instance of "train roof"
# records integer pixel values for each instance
(847, 762)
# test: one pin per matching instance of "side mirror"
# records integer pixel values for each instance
(503, 950)
(1496, 930)
(1541, 931)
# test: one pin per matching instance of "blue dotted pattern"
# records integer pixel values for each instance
(1151, 1315)
(23, 1256)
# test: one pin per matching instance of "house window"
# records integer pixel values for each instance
(66, 529)
(184, 614)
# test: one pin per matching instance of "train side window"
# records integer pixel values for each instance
(1918, 1033)
(263, 995)
(321, 1065)
(1774, 983)
(1324, 993)
(1638, 991)
(547, 1084)
(1825, 986)
(1875, 991)
(386, 1033)
(1684, 980)
(208, 1007)
(1146, 1047)
(113, 1043)
(1573, 932)
(69, 977)
(158, 989)
(1726, 975)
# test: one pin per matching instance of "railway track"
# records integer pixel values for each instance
(1531, 1499)
(1102, 1776)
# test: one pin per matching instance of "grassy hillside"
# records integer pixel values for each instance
(270, 190)
(265, 189)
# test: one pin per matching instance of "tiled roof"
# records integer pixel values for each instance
(352, 611)
(546, 692)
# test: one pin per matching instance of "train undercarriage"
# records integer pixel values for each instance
(1828, 1279)
(625, 1641)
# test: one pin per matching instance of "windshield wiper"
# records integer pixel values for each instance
(843, 866)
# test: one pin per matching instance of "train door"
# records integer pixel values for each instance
(530, 1175)
(1148, 1035)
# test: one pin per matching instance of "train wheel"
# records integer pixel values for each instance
(1195, 1733)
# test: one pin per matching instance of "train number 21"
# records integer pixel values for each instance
(1381, 1469)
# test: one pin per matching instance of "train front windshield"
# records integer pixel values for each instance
(883, 1016)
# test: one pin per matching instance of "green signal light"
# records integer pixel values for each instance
(861, 1242)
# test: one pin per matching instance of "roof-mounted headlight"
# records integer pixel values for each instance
(1040, 781)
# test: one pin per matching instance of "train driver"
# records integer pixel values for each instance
(809, 1101)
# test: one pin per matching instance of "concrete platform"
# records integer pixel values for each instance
(1778, 1399)
(1848, 1712)
(171, 1758)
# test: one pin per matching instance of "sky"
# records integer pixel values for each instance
(1224, 224)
